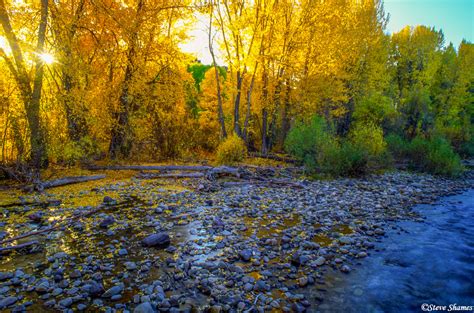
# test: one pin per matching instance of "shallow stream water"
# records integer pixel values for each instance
(430, 262)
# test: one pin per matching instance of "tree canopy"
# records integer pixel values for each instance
(107, 79)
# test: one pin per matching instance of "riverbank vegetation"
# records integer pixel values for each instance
(322, 81)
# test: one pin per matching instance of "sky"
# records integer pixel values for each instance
(454, 17)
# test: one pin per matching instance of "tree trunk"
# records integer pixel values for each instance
(76, 122)
(237, 130)
(31, 97)
(264, 131)
(285, 123)
(248, 112)
(120, 142)
(220, 110)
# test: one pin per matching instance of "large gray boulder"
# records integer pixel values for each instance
(157, 240)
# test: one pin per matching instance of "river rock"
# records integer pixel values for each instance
(36, 217)
(320, 261)
(144, 308)
(345, 269)
(93, 288)
(156, 240)
(245, 255)
(115, 290)
(122, 252)
(5, 275)
(66, 302)
(130, 266)
(106, 222)
(109, 200)
(6, 302)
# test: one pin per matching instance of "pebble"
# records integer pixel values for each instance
(144, 308)
(8, 301)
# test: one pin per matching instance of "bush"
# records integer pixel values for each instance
(434, 155)
(397, 146)
(231, 150)
(369, 137)
(79, 151)
(343, 159)
(304, 141)
(376, 108)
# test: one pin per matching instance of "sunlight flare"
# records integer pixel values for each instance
(47, 58)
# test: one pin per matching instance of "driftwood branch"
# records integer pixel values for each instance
(40, 186)
(267, 182)
(197, 168)
(32, 204)
(170, 175)
(54, 225)
(19, 246)
(274, 157)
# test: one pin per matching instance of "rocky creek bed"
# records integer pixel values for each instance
(244, 248)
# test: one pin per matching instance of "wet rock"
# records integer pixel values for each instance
(345, 269)
(130, 266)
(8, 301)
(303, 281)
(345, 240)
(156, 240)
(122, 252)
(320, 261)
(217, 223)
(245, 255)
(248, 287)
(298, 308)
(42, 287)
(93, 288)
(361, 255)
(109, 200)
(298, 260)
(116, 297)
(50, 303)
(144, 308)
(75, 274)
(36, 217)
(5, 275)
(115, 290)
(379, 232)
(261, 285)
(107, 221)
(66, 302)
(81, 306)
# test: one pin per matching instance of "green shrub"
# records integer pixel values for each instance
(375, 108)
(79, 151)
(434, 155)
(231, 150)
(304, 141)
(368, 137)
(397, 146)
(343, 159)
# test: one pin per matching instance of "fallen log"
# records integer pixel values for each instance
(32, 204)
(19, 246)
(273, 157)
(54, 225)
(170, 175)
(197, 168)
(270, 182)
(33, 233)
(40, 186)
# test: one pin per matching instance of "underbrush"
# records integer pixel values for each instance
(366, 150)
